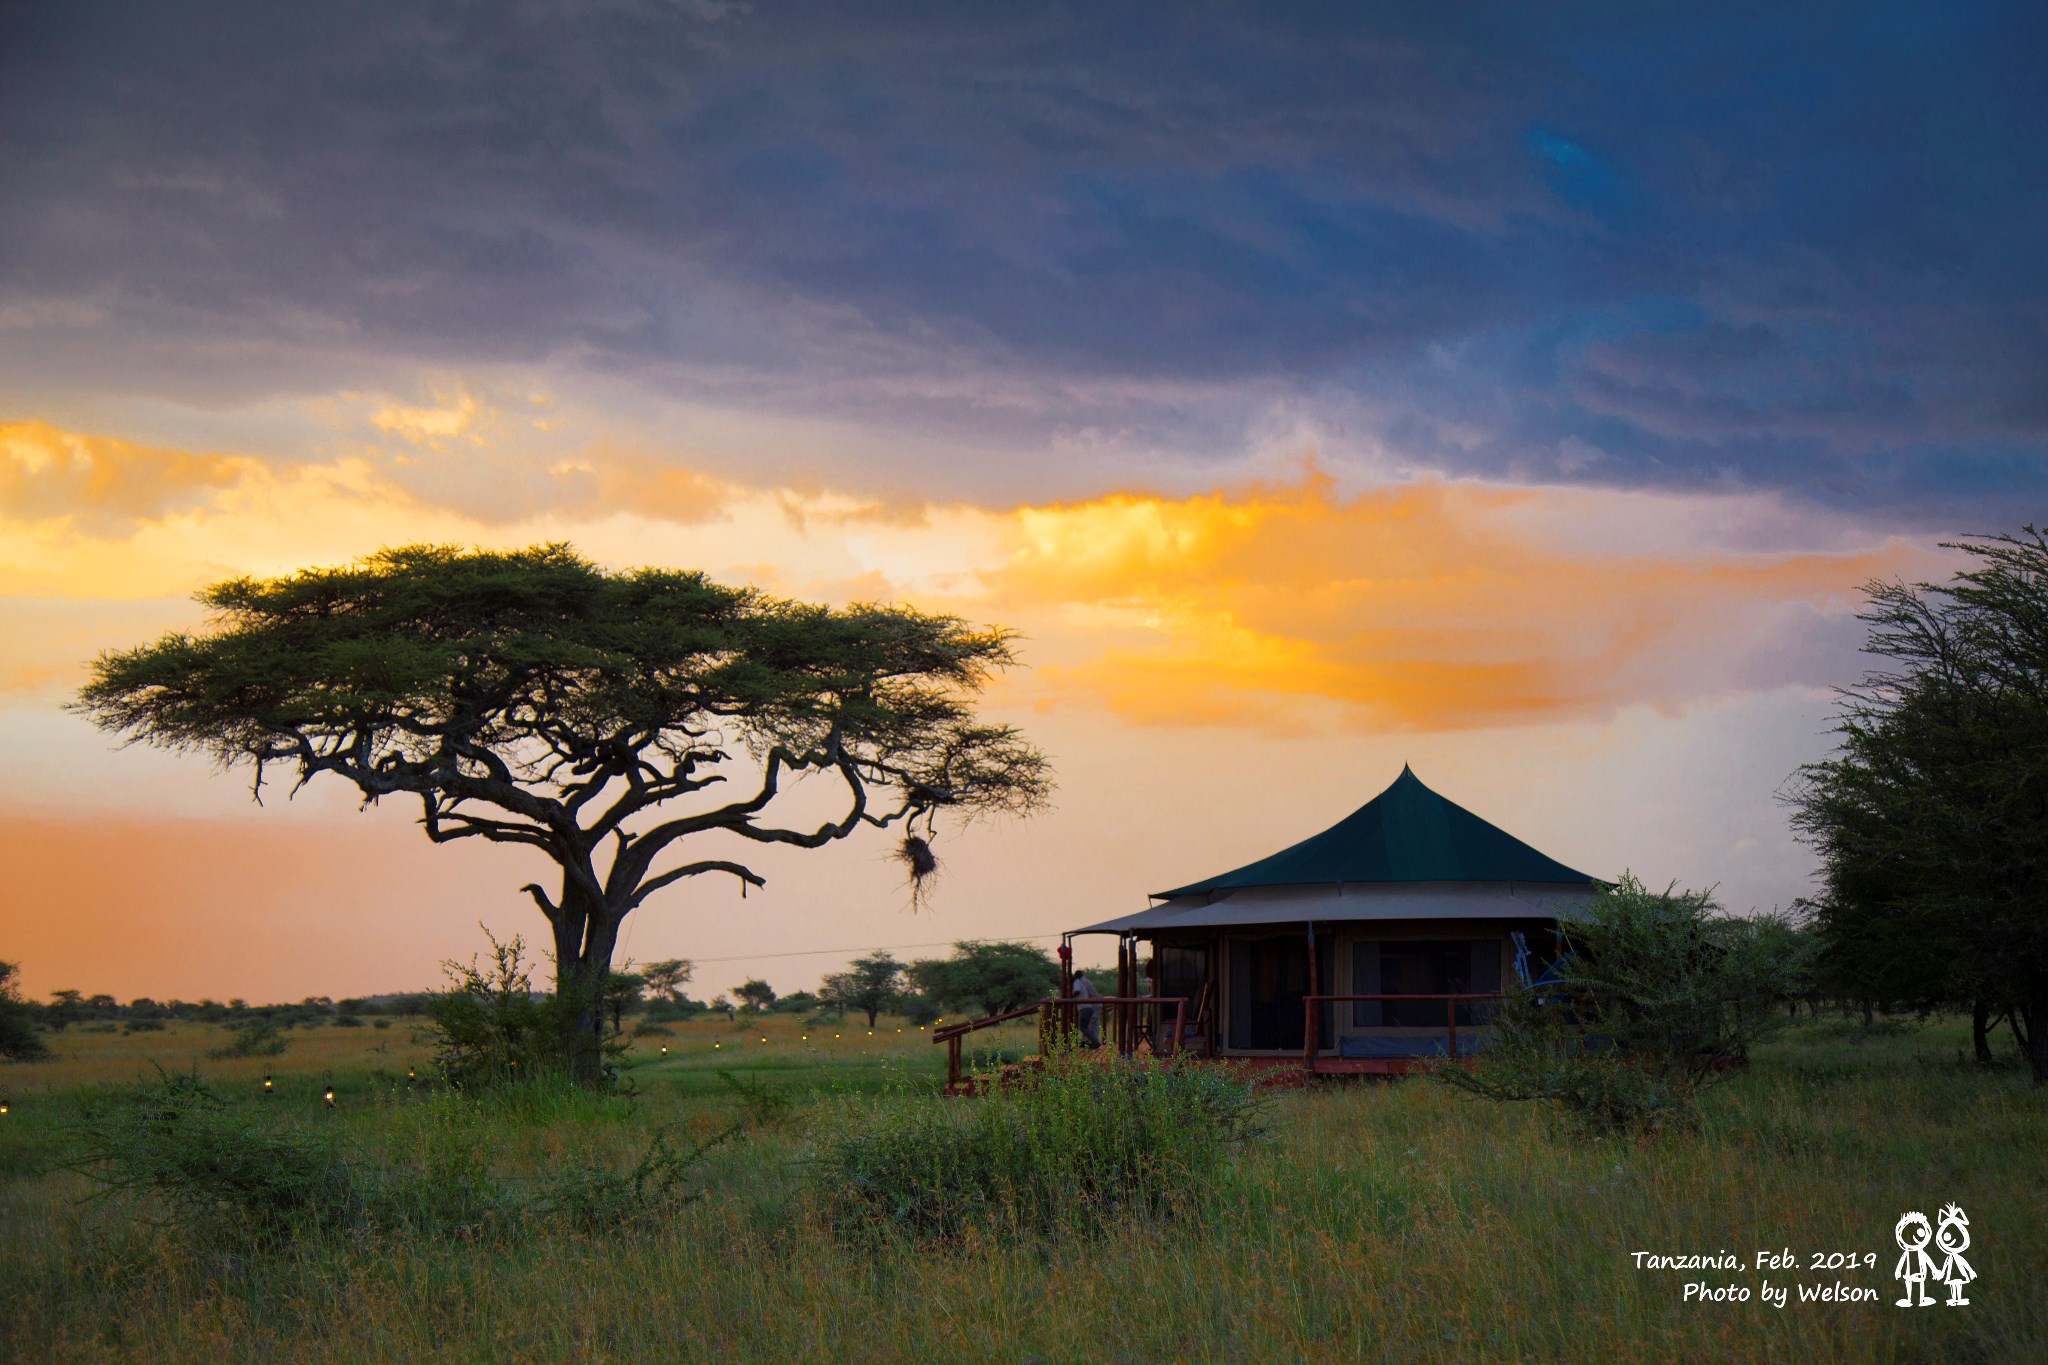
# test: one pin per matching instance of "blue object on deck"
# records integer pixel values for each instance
(1554, 974)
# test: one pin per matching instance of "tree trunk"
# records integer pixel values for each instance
(2036, 1013)
(1980, 1029)
(1869, 1013)
(586, 930)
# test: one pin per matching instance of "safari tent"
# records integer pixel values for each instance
(1383, 939)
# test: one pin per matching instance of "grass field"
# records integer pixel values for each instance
(1375, 1221)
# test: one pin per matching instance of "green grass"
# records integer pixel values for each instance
(1374, 1221)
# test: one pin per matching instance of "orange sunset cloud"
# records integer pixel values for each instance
(1425, 606)
(1283, 606)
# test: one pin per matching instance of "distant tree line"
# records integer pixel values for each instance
(101, 1012)
(977, 978)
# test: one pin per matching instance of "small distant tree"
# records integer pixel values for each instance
(868, 986)
(666, 978)
(1662, 994)
(721, 1005)
(66, 1008)
(989, 978)
(755, 995)
(622, 995)
(20, 1039)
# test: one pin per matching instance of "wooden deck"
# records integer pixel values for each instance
(1131, 1031)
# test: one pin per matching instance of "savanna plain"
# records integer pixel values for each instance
(1366, 1220)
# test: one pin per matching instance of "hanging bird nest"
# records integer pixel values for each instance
(923, 865)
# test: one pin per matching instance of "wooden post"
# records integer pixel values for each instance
(1126, 987)
(1212, 1044)
(1308, 1033)
(1451, 1024)
(1309, 1029)
(953, 1063)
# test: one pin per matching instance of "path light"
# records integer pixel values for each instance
(664, 1049)
(764, 1040)
(329, 1097)
(268, 1087)
(411, 1075)
(718, 1045)
(3, 1108)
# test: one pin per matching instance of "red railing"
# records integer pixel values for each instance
(1311, 1043)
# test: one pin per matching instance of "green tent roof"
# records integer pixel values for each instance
(1405, 834)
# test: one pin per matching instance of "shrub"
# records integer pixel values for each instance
(257, 1038)
(1662, 996)
(181, 1142)
(223, 1172)
(490, 1025)
(763, 1107)
(592, 1197)
(143, 1025)
(20, 1039)
(1062, 1150)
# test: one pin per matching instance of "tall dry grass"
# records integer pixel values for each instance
(1375, 1221)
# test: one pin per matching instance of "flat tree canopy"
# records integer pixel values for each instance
(604, 719)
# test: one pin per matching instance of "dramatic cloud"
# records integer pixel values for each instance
(1519, 389)
(1423, 605)
(1426, 607)
(1644, 245)
(100, 483)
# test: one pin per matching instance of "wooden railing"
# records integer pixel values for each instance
(1311, 1043)
(1126, 1029)
(1065, 1010)
(951, 1037)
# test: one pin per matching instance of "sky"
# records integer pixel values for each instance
(1524, 393)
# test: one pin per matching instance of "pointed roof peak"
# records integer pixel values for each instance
(1408, 833)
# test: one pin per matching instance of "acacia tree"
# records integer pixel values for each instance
(667, 977)
(608, 721)
(1931, 817)
(992, 977)
(869, 985)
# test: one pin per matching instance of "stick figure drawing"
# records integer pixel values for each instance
(1954, 1238)
(1913, 1234)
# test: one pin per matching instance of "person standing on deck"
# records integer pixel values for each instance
(1090, 1016)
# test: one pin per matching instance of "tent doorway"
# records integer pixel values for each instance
(1268, 978)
